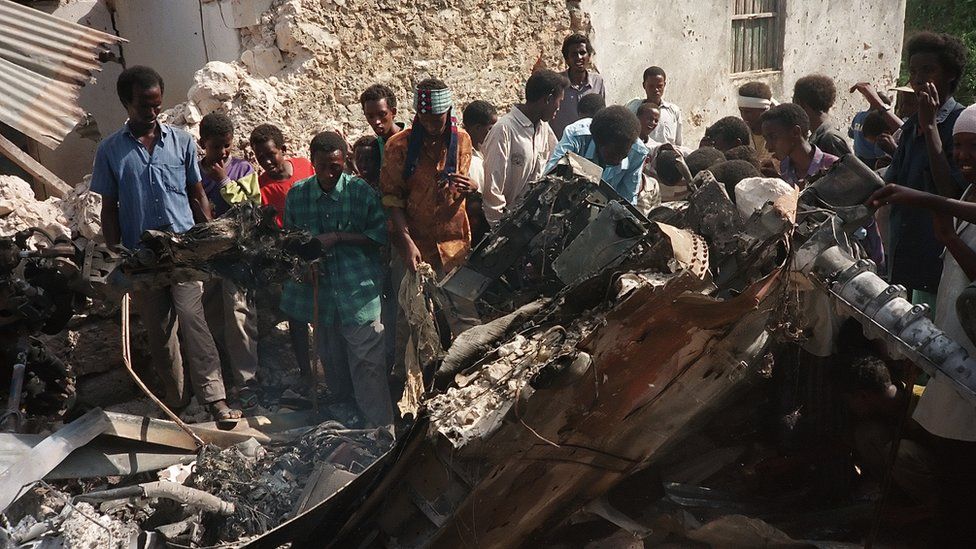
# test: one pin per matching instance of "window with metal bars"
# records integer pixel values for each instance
(757, 36)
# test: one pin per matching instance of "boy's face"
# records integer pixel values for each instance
(552, 105)
(479, 132)
(964, 153)
(366, 162)
(613, 153)
(270, 157)
(751, 118)
(328, 167)
(578, 57)
(380, 116)
(216, 148)
(145, 105)
(654, 88)
(780, 140)
(434, 124)
(648, 120)
(924, 68)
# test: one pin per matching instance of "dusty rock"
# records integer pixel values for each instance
(19, 209)
(306, 62)
(86, 528)
(82, 209)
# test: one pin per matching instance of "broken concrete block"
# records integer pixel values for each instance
(752, 193)
(192, 115)
(262, 61)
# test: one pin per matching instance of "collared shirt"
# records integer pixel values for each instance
(349, 275)
(668, 128)
(151, 189)
(516, 151)
(241, 185)
(914, 253)
(821, 161)
(568, 109)
(435, 213)
(829, 140)
(625, 177)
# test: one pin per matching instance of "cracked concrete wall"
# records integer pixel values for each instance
(691, 40)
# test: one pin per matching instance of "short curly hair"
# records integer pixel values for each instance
(377, 92)
(577, 38)
(216, 124)
(265, 133)
(758, 90)
(789, 115)
(703, 159)
(864, 373)
(327, 142)
(816, 91)
(544, 83)
(950, 50)
(144, 78)
(615, 125)
(590, 104)
(731, 172)
(744, 152)
(729, 129)
(478, 113)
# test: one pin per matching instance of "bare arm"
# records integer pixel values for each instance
(402, 240)
(110, 222)
(874, 100)
(199, 203)
(928, 105)
(950, 207)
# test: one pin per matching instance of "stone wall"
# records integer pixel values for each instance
(304, 66)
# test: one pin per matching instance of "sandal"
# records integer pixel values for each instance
(248, 397)
(223, 415)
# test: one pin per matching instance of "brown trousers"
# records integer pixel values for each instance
(232, 318)
(178, 310)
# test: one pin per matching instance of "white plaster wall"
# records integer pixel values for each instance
(690, 39)
(164, 34)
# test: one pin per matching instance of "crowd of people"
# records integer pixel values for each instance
(422, 193)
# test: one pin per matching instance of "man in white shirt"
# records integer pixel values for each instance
(478, 118)
(517, 147)
(668, 129)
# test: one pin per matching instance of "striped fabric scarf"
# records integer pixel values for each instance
(432, 102)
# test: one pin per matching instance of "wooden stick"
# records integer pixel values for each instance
(54, 185)
(127, 359)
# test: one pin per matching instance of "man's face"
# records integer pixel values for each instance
(270, 157)
(145, 105)
(552, 105)
(780, 140)
(654, 88)
(751, 118)
(216, 148)
(367, 163)
(479, 132)
(328, 167)
(613, 153)
(649, 119)
(434, 124)
(380, 116)
(924, 68)
(964, 153)
(578, 57)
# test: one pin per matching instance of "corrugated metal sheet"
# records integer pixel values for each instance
(44, 62)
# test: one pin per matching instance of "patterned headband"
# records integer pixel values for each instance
(433, 101)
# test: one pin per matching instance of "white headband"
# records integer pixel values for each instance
(756, 102)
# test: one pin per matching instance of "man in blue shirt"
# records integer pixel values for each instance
(148, 177)
(609, 140)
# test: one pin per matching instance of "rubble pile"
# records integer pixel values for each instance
(304, 66)
(19, 209)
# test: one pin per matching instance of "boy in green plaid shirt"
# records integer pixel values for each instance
(346, 216)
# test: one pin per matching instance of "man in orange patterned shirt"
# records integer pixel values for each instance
(425, 181)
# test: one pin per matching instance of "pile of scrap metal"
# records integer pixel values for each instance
(45, 281)
(618, 337)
